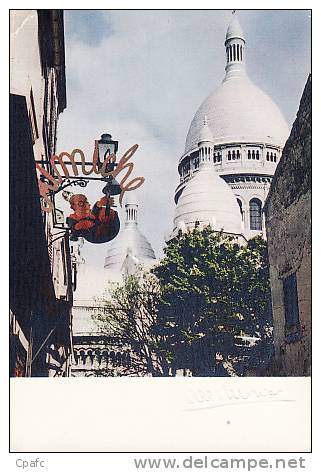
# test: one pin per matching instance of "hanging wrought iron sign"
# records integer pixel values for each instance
(97, 225)
(100, 223)
(60, 177)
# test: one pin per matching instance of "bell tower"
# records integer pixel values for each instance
(235, 49)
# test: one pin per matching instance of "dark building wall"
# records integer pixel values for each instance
(288, 224)
(40, 298)
(32, 296)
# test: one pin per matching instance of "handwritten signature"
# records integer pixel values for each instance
(208, 399)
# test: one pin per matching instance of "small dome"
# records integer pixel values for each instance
(128, 238)
(234, 30)
(130, 241)
(131, 199)
(208, 199)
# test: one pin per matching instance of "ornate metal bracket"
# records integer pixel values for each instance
(69, 182)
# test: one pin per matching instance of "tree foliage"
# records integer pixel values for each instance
(205, 293)
(213, 290)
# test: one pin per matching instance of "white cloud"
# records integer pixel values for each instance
(143, 83)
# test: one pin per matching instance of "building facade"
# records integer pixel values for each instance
(95, 354)
(240, 133)
(40, 262)
(288, 223)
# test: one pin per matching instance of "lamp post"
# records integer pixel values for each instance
(106, 147)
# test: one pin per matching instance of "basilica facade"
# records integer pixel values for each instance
(232, 149)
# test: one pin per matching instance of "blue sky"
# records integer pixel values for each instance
(141, 75)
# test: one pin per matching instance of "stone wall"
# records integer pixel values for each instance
(288, 224)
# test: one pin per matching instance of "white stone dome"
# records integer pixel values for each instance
(238, 111)
(208, 199)
(130, 240)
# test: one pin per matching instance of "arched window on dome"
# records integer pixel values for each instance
(238, 52)
(255, 214)
(257, 155)
(234, 52)
(229, 155)
(253, 154)
(249, 154)
(238, 155)
(241, 53)
(233, 155)
(274, 157)
(219, 157)
(241, 207)
(267, 156)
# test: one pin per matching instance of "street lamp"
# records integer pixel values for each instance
(106, 147)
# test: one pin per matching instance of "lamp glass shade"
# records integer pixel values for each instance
(106, 147)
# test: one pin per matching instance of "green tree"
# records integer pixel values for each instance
(212, 290)
(130, 316)
(204, 294)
